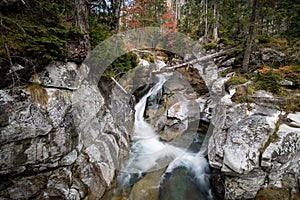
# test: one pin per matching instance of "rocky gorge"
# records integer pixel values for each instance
(62, 138)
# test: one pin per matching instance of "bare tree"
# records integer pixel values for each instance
(216, 22)
(206, 19)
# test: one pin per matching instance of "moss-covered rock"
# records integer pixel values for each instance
(274, 194)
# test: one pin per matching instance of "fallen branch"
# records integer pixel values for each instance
(118, 84)
(204, 58)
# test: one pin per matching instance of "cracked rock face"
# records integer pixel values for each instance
(254, 148)
(66, 149)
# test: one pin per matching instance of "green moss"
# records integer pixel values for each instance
(209, 46)
(271, 138)
(235, 80)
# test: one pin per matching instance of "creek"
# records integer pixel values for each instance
(175, 170)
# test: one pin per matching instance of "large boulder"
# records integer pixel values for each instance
(254, 146)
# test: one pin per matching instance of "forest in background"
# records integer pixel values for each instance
(35, 33)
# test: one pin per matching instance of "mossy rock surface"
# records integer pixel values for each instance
(275, 194)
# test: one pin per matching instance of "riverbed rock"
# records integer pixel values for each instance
(68, 148)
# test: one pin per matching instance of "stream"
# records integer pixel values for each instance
(176, 172)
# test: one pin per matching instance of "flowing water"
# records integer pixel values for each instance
(186, 173)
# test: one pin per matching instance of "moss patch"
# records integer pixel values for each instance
(235, 80)
(210, 46)
(273, 194)
(271, 138)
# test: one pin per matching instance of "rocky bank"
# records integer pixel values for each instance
(59, 138)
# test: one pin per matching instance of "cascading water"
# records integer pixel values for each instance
(148, 153)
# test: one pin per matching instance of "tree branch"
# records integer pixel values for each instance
(119, 85)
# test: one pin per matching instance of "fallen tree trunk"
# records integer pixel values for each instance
(204, 58)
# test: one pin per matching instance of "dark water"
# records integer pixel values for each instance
(181, 185)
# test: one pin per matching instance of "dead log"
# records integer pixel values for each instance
(201, 59)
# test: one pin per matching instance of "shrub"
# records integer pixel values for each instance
(269, 81)
(121, 65)
(263, 39)
(293, 105)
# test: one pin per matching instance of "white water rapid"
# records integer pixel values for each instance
(148, 153)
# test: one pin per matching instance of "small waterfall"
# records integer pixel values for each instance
(148, 153)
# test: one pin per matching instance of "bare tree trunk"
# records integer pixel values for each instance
(81, 20)
(250, 39)
(216, 24)
(206, 19)
(117, 13)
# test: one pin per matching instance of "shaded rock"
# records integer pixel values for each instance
(244, 187)
(229, 62)
(218, 184)
(208, 71)
(269, 55)
(194, 78)
(241, 94)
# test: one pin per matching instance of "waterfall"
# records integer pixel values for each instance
(148, 153)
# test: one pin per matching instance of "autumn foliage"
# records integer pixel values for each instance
(142, 13)
(169, 22)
